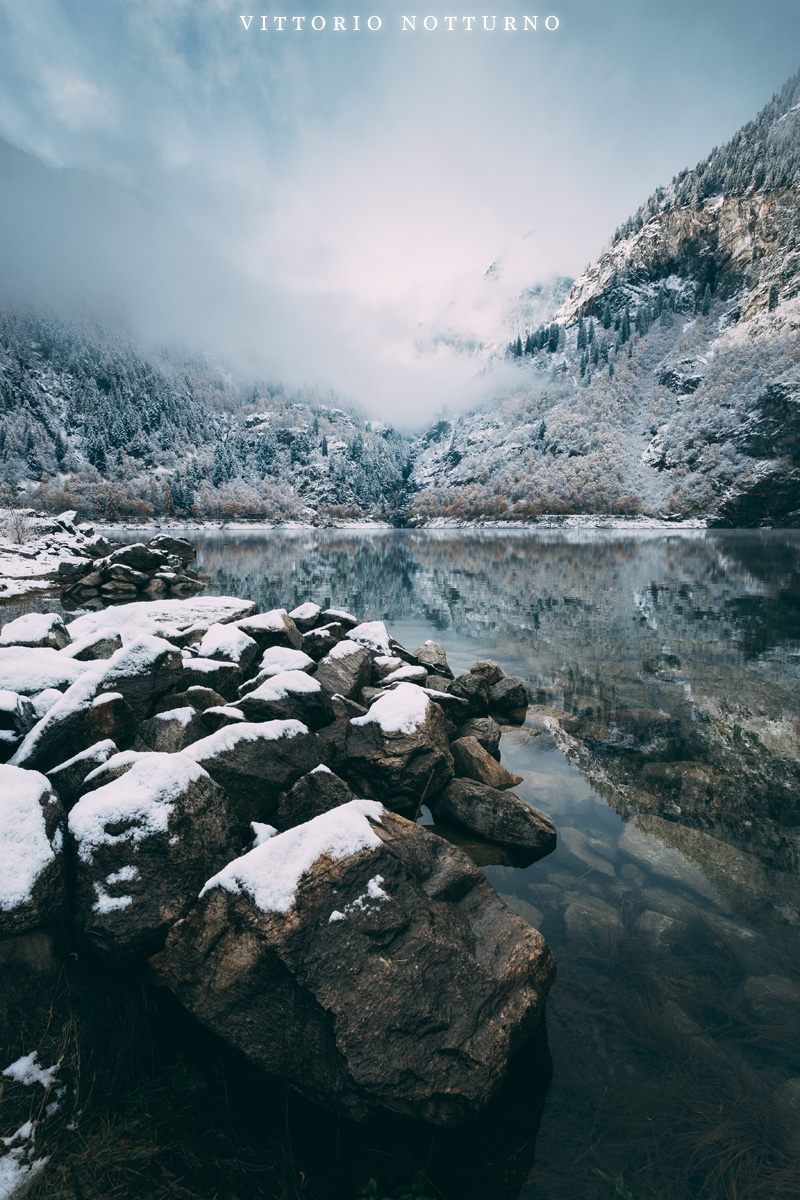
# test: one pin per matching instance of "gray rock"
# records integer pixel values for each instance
(508, 695)
(225, 678)
(69, 777)
(489, 670)
(579, 846)
(315, 793)
(31, 851)
(254, 763)
(94, 646)
(179, 547)
(36, 630)
(487, 732)
(17, 713)
(399, 751)
(659, 931)
(474, 690)
(305, 616)
(144, 844)
(229, 644)
(384, 974)
(293, 695)
(772, 999)
(221, 716)
(171, 731)
(500, 816)
(275, 628)
(197, 696)
(786, 1109)
(438, 683)
(319, 642)
(345, 669)
(432, 655)
(591, 919)
(472, 761)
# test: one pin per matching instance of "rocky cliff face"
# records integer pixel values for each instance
(668, 382)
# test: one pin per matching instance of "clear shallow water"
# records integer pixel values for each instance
(664, 744)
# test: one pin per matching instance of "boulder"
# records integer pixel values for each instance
(225, 678)
(144, 845)
(590, 919)
(141, 672)
(432, 656)
(293, 695)
(318, 642)
(473, 762)
(137, 557)
(438, 683)
(399, 750)
(474, 690)
(772, 999)
(365, 961)
(407, 673)
(101, 644)
(489, 670)
(221, 716)
(315, 793)
(499, 816)
(200, 698)
(171, 731)
(179, 547)
(485, 730)
(305, 616)
(383, 665)
(254, 763)
(69, 777)
(278, 659)
(17, 713)
(36, 630)
(229, 644)
(275, 628)
(31, 851)
(164, 617)
(345, 669)
(372, 634)
(508, 695)
(339, 615)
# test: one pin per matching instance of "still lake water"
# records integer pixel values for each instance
(663, 740)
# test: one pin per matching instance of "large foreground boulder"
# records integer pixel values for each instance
(145, 844)
(366, 961)
(31, 851)
(400, 749)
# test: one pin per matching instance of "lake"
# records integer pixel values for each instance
(663, 740)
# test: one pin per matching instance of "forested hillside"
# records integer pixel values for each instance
(87, 422)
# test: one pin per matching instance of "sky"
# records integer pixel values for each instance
(318, 206)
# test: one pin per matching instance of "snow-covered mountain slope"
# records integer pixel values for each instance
(668, 381)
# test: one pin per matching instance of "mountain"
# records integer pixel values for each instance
(668, 381)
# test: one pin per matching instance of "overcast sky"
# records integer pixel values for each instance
(363, 182)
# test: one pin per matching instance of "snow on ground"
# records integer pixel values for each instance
(161, 616)
(25, 849)
(402, 710)
(272, 871)
(27, 1070)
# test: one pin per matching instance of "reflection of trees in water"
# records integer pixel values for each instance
(580, 616)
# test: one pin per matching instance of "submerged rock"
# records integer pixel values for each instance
(500, 816)
(367, 962)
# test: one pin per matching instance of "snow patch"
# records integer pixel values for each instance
(402, 710)
(272, 872)
(25, 850)
(27, 1070)
(372, 634)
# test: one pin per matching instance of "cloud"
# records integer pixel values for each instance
(323, 207)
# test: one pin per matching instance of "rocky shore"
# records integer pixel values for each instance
(227, 801)
(40, 552)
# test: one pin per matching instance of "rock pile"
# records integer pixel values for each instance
(153, 570)
(226, 794)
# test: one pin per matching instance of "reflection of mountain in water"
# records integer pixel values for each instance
(675, 654)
